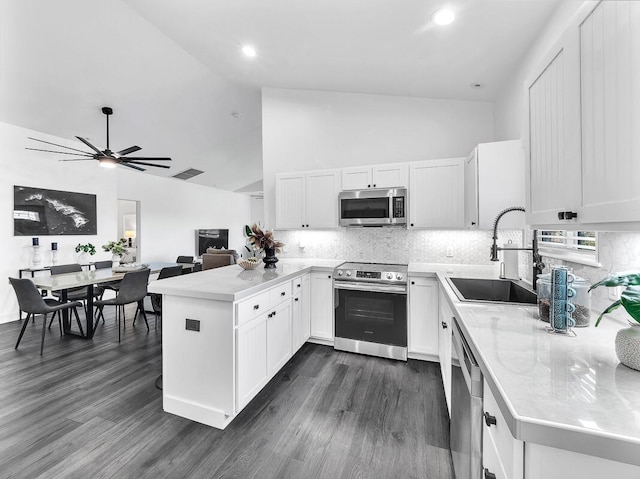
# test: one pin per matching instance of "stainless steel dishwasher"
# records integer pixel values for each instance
(466, 409)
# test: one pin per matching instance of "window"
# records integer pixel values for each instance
(576, 246)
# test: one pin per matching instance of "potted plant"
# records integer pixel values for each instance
(83, 250)
(117, 248)
(263, 240)
(628, 339)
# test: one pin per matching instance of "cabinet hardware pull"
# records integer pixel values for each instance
(444, 325)
(295, 299)
(256, 306)
(274, 313)
(413, 282)
(473, 223)
(329, 276)
(307, 226)
(368, 186)
(299, 285)
(489, 420)
(488, 474)
(283, 293)
(374, 185)
(411, 224)
(569, 215)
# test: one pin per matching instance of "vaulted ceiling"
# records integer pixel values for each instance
(180, 87)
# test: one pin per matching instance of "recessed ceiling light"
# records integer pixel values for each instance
(443, 16)
(249, 51)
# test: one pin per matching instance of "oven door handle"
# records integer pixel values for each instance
(376, 288)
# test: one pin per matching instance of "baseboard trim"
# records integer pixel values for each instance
(195, 412)
(424, 357)
(324, 342)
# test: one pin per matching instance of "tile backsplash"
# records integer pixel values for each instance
(617, 251)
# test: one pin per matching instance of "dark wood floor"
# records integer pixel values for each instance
(91, 409)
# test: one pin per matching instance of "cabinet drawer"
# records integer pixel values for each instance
(510, 451)
(491, 460)
(280, 293)
(297, 286)
(252, 307)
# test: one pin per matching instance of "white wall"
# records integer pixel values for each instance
(510, 107)
(31, 168)
(171, 210)
(307, 130)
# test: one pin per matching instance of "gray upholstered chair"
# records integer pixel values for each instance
(133, 289)
(31, 302)
(156, 299)
(112, 285)
(73, 294)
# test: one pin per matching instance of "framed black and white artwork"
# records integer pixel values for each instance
(41, 212)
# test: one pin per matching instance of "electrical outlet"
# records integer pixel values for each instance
(614, 293)
(449, 251)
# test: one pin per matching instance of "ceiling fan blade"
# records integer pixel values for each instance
(131, 149)
(54, 144)
(145, 158)
(77, 159)
(135, 162)
(131, 166)
(63, 152)
(86, 142)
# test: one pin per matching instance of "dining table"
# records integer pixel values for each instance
(64, 282)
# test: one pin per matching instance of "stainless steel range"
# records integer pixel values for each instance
(370, 309)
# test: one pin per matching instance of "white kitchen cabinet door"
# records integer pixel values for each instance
(436, 193)
(278, 337)
(300, 313)
(395, 175)
(356, 178)
(553, 142)
(321, 199)
(610, 106)
(305, 299)
(423, 318)
(290, 201)
(321, 306)
(251, 360)
(444, 346)
(494, 180)
(296, 324)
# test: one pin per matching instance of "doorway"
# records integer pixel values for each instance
(128, 227)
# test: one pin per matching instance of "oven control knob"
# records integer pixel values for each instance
(399, 277)
(348, 273)
(340, 272)
(389, 275)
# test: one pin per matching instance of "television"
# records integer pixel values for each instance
(211, 238)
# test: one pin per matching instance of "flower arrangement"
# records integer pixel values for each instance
(630, 297)
(116, 247)
(261, 239)
(86, 248)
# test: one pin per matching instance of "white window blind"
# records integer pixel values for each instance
(577, 246)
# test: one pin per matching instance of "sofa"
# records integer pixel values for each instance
(215, 258)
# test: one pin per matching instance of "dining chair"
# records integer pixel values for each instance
(133, 289)
(112, 285)
(31, 302)
(185, 259)
(156, 299)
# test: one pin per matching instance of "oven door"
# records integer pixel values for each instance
(371, 312)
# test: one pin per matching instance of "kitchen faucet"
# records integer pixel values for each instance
(538, 265)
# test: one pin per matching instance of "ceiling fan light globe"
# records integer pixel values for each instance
(108, 162)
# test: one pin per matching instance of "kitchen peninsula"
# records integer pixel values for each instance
(228, 331)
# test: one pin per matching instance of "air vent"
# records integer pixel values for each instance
(188, 174)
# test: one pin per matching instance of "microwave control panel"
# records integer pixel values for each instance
(398, 206)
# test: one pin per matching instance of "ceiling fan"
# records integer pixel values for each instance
(107, 158)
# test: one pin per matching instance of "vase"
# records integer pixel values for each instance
(115, 260)
(83, 258)
(270, 259)
(628, 346)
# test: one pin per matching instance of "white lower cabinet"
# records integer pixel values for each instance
(423, 318)
(300, 313)
(251, 360)
(444, 346)
(278, 337)
(322, 307)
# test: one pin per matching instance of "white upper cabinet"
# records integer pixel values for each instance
(554, 173)
(307, 200)
(610, 101)
(436, 193)
(584, 118)
(494, 180)
(379, 176)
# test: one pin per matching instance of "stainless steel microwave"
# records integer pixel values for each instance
(373, 207)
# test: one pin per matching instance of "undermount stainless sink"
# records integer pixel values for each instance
(491, 291)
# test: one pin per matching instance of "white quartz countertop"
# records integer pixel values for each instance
(232, 283)
(562, 391)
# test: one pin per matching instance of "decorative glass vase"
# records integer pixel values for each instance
(270, 259)
(628, 345)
